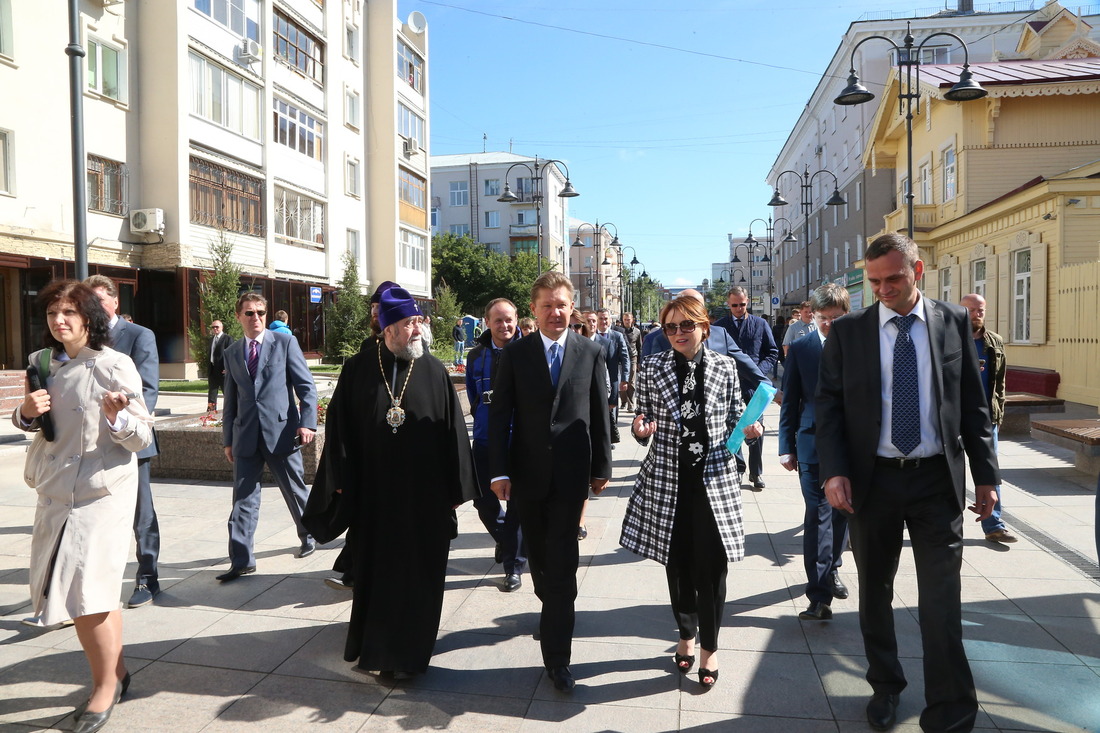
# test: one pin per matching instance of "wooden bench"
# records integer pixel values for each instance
(1019, 407)
(1080, 436)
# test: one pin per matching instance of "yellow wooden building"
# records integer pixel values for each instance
(1007, 196)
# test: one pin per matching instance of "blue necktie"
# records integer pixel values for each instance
(905, 413)
(555, 364)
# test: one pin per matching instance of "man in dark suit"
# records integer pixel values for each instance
(899, 402)
(139, 344)
(550, 398)
(219, 342)
(754, 336)
(270, 409)
(825, 529)
(616, 354)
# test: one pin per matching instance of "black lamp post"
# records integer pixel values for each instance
(630, 281)
(806, 201)
(596, 229)
(751, 244)
(537, 168)
(964, 90)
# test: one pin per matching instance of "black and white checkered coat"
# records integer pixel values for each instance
(647, 528)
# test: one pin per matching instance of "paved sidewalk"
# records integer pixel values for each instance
(265, 653)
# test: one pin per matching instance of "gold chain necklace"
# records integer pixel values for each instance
(395, 416)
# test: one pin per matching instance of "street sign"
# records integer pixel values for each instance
(315, 295)
(775, 300)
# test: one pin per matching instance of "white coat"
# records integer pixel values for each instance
(86, 480)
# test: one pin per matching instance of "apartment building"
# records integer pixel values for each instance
(596, 267)
(749, 266)
(296, 130)
(833, 139)
(465, 192)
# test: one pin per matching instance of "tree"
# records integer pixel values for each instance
(447, 310)
(348, 318)
(716, 299)
(477, 275)
(218, 293)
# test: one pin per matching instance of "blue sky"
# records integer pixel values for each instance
(669, 113)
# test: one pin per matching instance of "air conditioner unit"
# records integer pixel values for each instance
(146, 221)
(250, 50)
(411, 146)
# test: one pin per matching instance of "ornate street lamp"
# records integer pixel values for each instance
(806, 202)
(537, 168)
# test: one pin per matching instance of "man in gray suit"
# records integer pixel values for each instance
(139, 344)
(263, 424)
(617, 355)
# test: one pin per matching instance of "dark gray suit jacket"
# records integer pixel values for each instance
(267, 409)
(138, 343)
(849, 399)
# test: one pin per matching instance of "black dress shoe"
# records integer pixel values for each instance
(882, 711)
(818, 611)
(308, 548)
(758, 483)
(582, 532)
(836, 585)
(562, 678)
(512, 582)
(235, 573)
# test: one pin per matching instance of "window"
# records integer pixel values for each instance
(299, 219)
(106, 69)
(353, 244)
(525, 188)
(949, 168)
(413, 246)
(352, 109)
(240, 16)
(494, 247)
(492, 186)
(1021, 296)
(410, 66)
(847, 154)
(945, 284)
(351, 42)
(492, 219)
(460, 230)
(977, 277)
(928, 55)
(226, 199)
(107, 185)
(519, 246)
(6, 47)
(526, 217)
(859, 195)
(351, 176)
(224, 98)
(460, 193)
(847, 255)
(410, 124)
(412, 189)
(298, 47)
(924, 183)
(7, 167)
(298, 130)
(435, 218)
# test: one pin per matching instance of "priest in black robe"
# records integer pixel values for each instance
(396, 463)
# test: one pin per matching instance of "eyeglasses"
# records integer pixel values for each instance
(684, 326)
(738, 305)
(249, 314)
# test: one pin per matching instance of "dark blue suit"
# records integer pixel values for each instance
(825, 530)
(139, 344)
(754, 336)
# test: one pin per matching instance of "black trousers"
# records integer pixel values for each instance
(501, 524)
(550, 531)
(922, 500)
(696, 569)
(215, 382)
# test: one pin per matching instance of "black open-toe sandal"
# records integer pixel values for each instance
(684, 662)
(705, 674)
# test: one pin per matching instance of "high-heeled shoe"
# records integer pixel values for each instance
(705, 674)
(684, 662)
(91, 722)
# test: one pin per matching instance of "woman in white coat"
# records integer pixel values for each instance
(685, 511)
(86, 479)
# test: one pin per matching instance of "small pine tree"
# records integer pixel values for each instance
(218, 294)
(348, 318)
(447, 310)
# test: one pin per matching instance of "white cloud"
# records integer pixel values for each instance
(682, 282)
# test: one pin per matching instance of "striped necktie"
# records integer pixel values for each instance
(253, 357)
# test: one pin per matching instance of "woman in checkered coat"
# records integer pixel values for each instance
(685, 511)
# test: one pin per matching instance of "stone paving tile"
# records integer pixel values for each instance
(301, 597)
(1056, 697)
(411, 709)
(700, 722)
(293, 704)
(554, 715)
(322, 657)
(487, 610)
(1039, 597)
(245, 641)
(477, 664)
(44, 688)
(1079, 635)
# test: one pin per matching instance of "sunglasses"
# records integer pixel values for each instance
(683, 326)
(738, 305)
(249, 314)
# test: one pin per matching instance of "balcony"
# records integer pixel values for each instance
(925, 218)
(522, 230)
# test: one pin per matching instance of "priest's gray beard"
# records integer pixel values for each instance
(412, 351)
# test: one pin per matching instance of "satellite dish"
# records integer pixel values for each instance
(417, 22)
